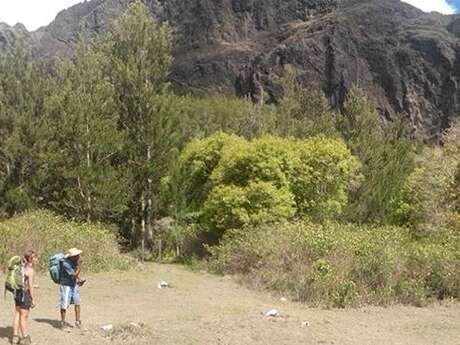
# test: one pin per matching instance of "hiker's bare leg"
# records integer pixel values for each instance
(63, 315)
(77, 313)
(24, 315)
(16, 321)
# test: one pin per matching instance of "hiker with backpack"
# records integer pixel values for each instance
(21, 282)
(69, 283)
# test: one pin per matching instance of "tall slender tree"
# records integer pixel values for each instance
(303, 111)
(84, 176)
(23, 88)
(385, 151)
(138, 57)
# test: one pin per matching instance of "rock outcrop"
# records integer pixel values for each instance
(408, 61)
(12, 36)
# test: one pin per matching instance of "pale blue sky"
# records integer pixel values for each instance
(36, 13)
(443, 6)
(32, 13)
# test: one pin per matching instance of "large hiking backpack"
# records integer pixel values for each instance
(15, 277)
(54, 266)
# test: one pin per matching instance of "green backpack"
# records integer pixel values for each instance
(15, 277)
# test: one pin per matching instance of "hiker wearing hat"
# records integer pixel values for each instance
(69, 285)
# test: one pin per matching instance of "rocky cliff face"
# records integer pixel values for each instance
(12, 36)
(406, 60)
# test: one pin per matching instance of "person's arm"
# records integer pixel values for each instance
(78, 270)
(68, 268)
(31, 283)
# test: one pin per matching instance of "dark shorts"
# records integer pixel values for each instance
(23, 299)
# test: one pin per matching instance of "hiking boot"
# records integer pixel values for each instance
(15, 339)
(25, 341)
(80, 326)
(65, 326)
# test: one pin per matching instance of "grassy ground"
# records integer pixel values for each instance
(200, 308)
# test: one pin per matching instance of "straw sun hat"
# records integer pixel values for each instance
(73, 252)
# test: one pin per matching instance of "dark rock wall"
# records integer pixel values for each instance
(406, 60)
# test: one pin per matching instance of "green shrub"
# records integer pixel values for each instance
(228, 182)
(48, 234)
(231, 207)
(342, 264)
(323, 173)
(267, 159)
(429, 200)
(195, 166)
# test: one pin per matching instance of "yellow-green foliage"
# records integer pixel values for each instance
(48, 234)
(340, 265)
(303, 112)
(231, 207)
(323, 173)
(429, 200)
(265, 159)
(205, 116)
(196, 164)
(232, 182)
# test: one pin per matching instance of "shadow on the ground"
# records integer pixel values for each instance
(6, 332)
(51, 322)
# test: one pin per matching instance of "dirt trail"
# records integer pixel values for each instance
(200, 308)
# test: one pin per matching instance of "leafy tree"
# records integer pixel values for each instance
(23, 89)
(323, 174)
(319, 172)
(208, 115)
(192, 174)
(268, 159)
(85, 175)
(303, 111)
(230, 182)
(233, 207)
(386, 154)
(430, 202)
(138, 57)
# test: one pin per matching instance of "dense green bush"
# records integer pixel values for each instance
(231, 207)
(267, 159)
(323, 173)
(341, 265)
(229, 182)
(195, 166)
(48, 234)
(428, 203)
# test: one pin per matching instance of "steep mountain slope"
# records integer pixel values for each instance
(11, 37)
(407, 60)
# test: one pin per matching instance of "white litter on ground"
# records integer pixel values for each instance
(107, 328)
(272, 313)
(162, 285)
